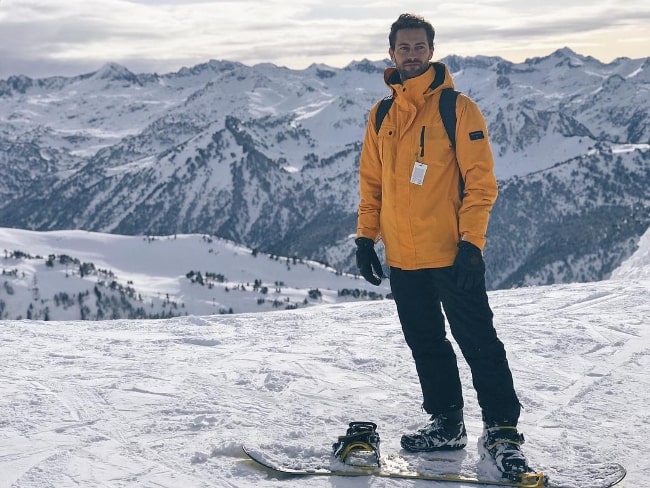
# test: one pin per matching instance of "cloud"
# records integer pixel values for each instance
(41, 37)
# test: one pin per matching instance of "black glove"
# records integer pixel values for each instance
(469, 266)
(367, 261)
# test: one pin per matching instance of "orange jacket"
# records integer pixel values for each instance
(421, 224)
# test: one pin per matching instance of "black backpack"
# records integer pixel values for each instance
(447, 108)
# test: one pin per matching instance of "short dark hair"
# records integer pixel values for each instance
(410, 21)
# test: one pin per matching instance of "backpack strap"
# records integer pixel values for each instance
(447, 104)
(382, 110)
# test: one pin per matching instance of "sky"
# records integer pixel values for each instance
(40, 38)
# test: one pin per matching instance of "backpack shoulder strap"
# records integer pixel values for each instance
(448, 98)
(382, 110)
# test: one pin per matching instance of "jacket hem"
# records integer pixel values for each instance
(424, 265)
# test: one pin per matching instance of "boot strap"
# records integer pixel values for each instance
(498, 436)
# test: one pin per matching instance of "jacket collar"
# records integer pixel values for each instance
(436, 76)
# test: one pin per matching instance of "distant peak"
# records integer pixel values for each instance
(113, 68)
(115, 72)
(563, 56)
(566, 51)
(367, 66)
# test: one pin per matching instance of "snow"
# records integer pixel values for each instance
(635, 267)
(167, 403)
(327, 106)
(156, 268)
(621, 148)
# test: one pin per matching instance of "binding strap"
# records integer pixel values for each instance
(503, 435)
(360, 438)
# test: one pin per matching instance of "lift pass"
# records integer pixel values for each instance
(417, 176)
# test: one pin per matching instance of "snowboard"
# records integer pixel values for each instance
(599, 476)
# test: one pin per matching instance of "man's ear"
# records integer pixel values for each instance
(391, 53)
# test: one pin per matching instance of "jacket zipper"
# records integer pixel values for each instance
(422, 142)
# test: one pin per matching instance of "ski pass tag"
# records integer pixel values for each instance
(417, 176)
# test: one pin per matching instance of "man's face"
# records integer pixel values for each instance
(412, 52)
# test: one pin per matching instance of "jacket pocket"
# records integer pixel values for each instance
(435, 147)
(387, 144)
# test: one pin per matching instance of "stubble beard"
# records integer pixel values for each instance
(405, 74)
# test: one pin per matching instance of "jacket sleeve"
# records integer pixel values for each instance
(370, 183)
(476, 164)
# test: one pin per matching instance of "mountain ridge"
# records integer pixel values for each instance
(268, 156)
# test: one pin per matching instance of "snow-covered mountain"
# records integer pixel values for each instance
(267, 156)
(168, 403)
(576, 221)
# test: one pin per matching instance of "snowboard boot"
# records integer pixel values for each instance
(503, 443)
(446, 431)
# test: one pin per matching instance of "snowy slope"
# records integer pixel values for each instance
(635, 267)
(166, 403)
(65, 275)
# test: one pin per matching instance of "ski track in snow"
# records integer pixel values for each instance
(168, 403)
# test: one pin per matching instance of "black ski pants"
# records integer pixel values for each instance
(420, 296)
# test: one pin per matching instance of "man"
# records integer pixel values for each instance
(410, 177)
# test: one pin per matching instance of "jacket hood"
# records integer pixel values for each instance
(437, 77)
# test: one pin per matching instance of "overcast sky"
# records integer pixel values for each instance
(67, 37)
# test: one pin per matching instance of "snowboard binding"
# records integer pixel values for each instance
(359, 446)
